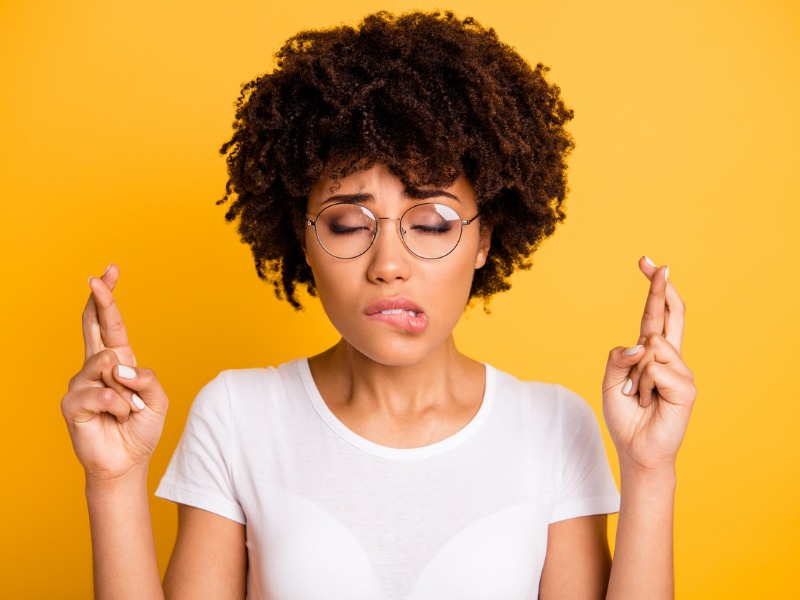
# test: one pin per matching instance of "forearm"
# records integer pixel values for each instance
(123, 552)
(643, 564)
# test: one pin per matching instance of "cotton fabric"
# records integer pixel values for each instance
(329, 514)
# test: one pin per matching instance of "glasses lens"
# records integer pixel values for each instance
(346, 230)
(431, 230)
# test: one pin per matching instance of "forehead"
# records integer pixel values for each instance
(379, 185)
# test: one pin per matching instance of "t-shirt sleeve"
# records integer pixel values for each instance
(585, 484)
(200, 472)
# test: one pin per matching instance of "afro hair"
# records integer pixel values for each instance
(430, 96)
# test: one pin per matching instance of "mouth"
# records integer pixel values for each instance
(393, 306)
(399, 312)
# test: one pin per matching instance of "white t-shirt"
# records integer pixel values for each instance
(330, 515)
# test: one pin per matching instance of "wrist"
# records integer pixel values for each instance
(663, 478)
(130, 482)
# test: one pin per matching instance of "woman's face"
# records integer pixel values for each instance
(392, 306)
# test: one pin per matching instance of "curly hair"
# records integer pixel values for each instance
(428, 95)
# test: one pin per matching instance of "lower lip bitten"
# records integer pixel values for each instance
(405, 319)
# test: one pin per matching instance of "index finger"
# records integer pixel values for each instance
(92, 340)
(674, 317)
(654, 316)
(103, 326)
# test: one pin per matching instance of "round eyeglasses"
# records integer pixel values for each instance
(428, 230)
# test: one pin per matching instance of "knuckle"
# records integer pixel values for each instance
(72, 382)
(108, 396)
(102, 358)
(653, 339)
(649, 314)
(148, 376)
(650, 369)
(107, 358)
(116, 325)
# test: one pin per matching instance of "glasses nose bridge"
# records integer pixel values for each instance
(379, 228)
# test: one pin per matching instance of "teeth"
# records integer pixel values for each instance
(397, 311)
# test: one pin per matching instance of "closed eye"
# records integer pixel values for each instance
(344, 230)
(432, 229)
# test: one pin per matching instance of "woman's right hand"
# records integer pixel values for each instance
(114, 411)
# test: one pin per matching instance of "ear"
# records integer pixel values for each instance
(484, 244)
(305, 249)
(301, 237)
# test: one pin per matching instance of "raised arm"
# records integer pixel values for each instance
(648, 394)
(115, 413)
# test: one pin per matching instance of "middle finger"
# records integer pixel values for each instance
(92, 338)
(113, 333)
(655, 306)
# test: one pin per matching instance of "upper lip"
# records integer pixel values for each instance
(392, 303)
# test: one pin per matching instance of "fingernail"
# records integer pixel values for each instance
(632, 350)
(107, 268)
(125, 372)
(627, 387)
(90, 281)
(649, 262)
(137, 402)
(666, 274)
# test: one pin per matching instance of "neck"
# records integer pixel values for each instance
(346, 377)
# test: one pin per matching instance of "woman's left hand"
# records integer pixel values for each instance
(648, 391)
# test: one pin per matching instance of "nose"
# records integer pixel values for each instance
(389, 259)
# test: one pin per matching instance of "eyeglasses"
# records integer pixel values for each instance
(428, 230)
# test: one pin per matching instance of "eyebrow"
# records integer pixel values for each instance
(410, 193)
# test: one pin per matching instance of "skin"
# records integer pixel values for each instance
(397, 388)
(114, 440)
(389, 385)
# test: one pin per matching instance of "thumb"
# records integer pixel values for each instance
(146, 387)
(618, 367)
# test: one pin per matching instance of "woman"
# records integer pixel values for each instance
(397, 170)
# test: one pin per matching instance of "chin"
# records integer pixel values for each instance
(394, 353)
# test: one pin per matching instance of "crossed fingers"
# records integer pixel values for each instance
(95, 389)
(103, 327)
(664, 311)
(660, 337)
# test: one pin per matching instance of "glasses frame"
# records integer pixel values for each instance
(463, 222)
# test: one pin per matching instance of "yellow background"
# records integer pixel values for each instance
(688, 147)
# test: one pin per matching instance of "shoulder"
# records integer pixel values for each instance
(547, 411)
(244, 389)
(538, 395)
(258, 379)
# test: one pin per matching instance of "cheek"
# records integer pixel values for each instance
(334, 280)
(450, 284)
(471, 257)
